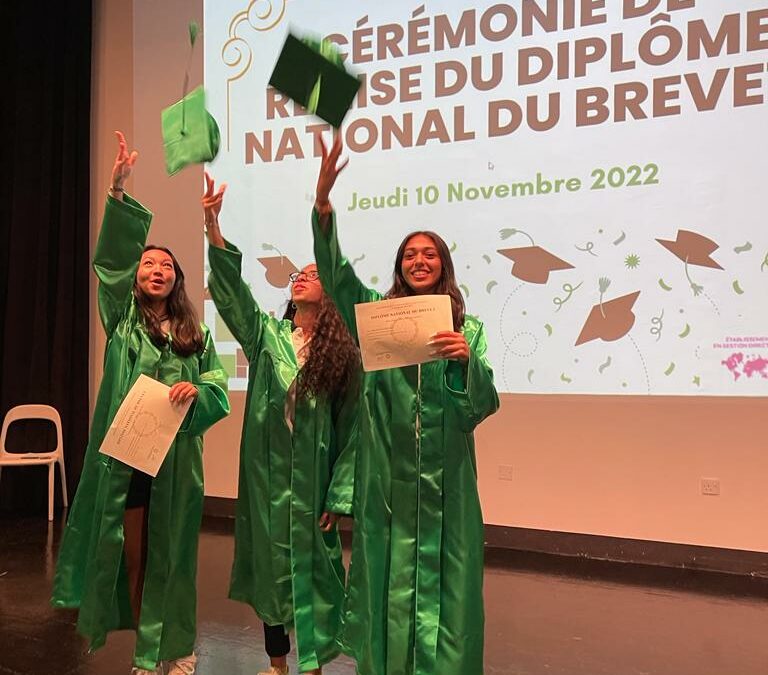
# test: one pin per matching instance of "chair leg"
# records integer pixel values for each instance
(50, 490)
(63, 474)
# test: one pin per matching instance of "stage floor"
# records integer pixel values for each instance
(544, 616)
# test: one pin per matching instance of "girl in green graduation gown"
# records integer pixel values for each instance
(415, 603)
(296, 456)
(128, 557)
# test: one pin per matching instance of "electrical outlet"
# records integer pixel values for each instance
(710, 486)
(505, 472)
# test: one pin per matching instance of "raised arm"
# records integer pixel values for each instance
(232, 296)
(121, 241)
(336, 274)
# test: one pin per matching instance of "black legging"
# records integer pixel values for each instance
(276, 641)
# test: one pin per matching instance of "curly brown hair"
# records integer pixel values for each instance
(333, 359)
(185, 326)
(446, 285)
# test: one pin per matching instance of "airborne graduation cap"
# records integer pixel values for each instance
(312, 73)
(190, 133)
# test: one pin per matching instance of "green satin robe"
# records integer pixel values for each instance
(285, 567)
(90, 572)
(415, 591)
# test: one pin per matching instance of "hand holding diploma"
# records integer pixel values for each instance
(449, 345)
(406, 331)
(182, 392)
(146, 423)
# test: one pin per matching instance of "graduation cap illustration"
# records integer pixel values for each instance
(610, 320)
(312, 73)
(533, 263)
(190, 133)
(692, 248)
(278, 270)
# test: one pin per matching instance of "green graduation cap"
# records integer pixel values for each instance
(312, 73)
(190, 134)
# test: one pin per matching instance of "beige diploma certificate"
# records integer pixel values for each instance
(144, 427)
(395, 333)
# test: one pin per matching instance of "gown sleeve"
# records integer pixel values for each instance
(470, 386)
(337, 275)
(342, 486)
(233, 298)
(212, 402)
(118, 252)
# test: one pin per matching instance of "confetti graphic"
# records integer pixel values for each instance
(587, 249)
(569, 291)
(657, 325)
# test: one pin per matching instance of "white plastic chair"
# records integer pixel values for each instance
(40, 412)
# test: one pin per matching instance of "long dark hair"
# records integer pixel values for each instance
(333, 359)
(185, 326)
(446, 284)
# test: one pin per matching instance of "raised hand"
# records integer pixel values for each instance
(212, 202)
(123, 164)
(329, 169)
(450, 345)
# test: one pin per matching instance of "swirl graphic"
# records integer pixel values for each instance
(264, 15)
(236, 53)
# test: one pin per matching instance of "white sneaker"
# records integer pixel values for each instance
(182, 666)
(273, 670)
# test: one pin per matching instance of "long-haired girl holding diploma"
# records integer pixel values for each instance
(415, 597)
(128, 558)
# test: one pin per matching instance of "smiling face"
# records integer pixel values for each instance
(307, 288)
(156, 275)
(421, 265)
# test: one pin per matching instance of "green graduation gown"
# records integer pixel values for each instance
(285, 567)
(90, 572)
(415, 597)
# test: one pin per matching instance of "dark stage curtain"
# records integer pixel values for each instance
(44, 240)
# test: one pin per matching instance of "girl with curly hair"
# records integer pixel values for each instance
(296, 455)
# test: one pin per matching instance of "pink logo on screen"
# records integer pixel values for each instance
(740, 365)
